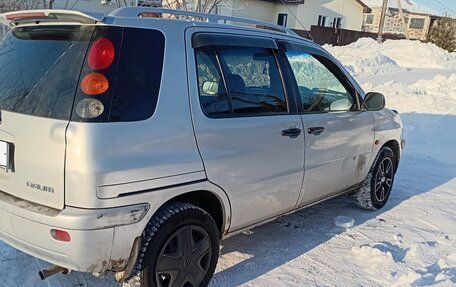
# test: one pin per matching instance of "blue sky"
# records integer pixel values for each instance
(434, 4)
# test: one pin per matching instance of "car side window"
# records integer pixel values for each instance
(213, 96)
(253, 80)
(319, 89)
(239, 81)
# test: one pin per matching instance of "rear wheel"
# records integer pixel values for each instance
(180, 248)
(376, 189)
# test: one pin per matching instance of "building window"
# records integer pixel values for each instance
(322, 20)
(283, 18)
(416, 23)
(337, 23)
(218, 9)
(369, 19)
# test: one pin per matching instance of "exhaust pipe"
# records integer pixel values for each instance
(52, 271)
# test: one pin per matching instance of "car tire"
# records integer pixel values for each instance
(376, 188)
(180, 248)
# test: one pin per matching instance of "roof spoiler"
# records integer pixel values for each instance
(20, 18)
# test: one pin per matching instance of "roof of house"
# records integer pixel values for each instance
(366, 9)
(408, 5)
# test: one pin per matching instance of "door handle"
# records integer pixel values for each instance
(291, 132)
(316, 131)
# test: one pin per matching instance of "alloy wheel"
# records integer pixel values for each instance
(384, 179)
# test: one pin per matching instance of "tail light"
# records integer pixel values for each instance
(101, 54)
(60, 235)
(94, 84)
(98, 72)
(89, 108)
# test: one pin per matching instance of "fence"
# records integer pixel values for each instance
(340, 37)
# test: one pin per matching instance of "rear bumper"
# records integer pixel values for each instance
(27, 228)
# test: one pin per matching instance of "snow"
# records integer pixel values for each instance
(368, 57)
(411, 242)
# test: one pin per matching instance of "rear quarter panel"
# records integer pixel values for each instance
(109, 154)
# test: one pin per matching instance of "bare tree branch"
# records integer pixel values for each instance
(15, 5)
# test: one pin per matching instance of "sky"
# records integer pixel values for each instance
(438, 5)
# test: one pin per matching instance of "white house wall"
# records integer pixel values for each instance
(259, 10)
(291, 22)
(350, 11)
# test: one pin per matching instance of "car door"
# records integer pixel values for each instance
(247, 128)
(339, 135)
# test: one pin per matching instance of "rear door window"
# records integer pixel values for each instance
(239, 81)
(213, 96)
(253, 80)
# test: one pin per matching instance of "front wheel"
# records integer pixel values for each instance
(376, 188)
(180, 248)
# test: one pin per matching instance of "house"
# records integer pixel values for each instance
(346, 14)
(418, 19)
(295, 14)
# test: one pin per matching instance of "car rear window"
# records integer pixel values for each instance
(63, 72)
(40, 68)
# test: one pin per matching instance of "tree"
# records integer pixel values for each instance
(207, 6)
(443, 34)
(47, 4)
(15, 5)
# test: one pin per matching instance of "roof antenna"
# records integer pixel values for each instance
(300, 23)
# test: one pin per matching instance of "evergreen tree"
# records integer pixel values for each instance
(443, 34)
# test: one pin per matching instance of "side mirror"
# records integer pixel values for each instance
(374, 101)
(210, 88)
(341, 105)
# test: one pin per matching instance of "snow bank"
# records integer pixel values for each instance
(368, 57)
(436, 96)
(371, 258)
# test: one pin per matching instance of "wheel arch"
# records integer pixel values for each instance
(395, 147)
(204, 195)
(209, 202)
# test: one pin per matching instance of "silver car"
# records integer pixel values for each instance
(134, 142)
